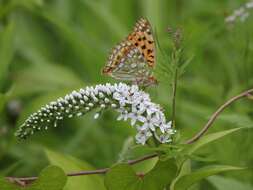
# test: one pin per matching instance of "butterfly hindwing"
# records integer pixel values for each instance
(132, 66)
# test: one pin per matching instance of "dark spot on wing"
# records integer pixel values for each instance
(149, 51)
(143, 47)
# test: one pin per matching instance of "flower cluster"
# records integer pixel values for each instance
(129, 101)
(242, 13)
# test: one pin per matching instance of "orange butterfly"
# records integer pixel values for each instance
(134, 58)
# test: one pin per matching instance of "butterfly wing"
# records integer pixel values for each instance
(127, 63)
(134, 58)
(143, 39)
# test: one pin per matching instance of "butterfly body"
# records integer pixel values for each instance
(134, 58)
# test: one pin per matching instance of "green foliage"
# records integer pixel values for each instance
(6, 52)
(51, 178)
(70, 164)
(122, 176)
(36, 74)
(223, 183)
(184, 169)
(185, 181)
(208, 139)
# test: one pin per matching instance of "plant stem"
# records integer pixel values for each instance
(246, 93)
(26, 180)
(174, 89)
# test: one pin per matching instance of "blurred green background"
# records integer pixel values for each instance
(51, 47)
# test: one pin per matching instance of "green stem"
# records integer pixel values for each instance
(174, 93)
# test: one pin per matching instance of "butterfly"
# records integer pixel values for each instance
(134, 58)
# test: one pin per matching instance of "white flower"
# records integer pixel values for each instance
(134, 89)
(164, 127)
(149, 122)
(244, 16)
(135, 115)
(149, 107)
(96, 115)
(139, 98)
(242, 13)
(122, 99)
(123, 89)
(123, 114)
(249, 5)
(163, 138)
(239, 12)
(142, 136)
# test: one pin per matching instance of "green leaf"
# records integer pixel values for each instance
(187, 180)
(6, 51)
(70, 164)
(122, 176)
(51, 178)
(237, 119)
(27, 81)
(160, 176)
(224, 183)
(208, 139)
(184, 65)
(185, 169)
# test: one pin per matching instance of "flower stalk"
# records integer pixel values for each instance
(176, 37)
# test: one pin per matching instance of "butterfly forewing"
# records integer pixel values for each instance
(142, 38)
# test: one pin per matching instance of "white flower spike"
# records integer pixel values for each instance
(129, 101)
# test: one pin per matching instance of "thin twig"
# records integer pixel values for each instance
(26, 180)
(216, 114)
